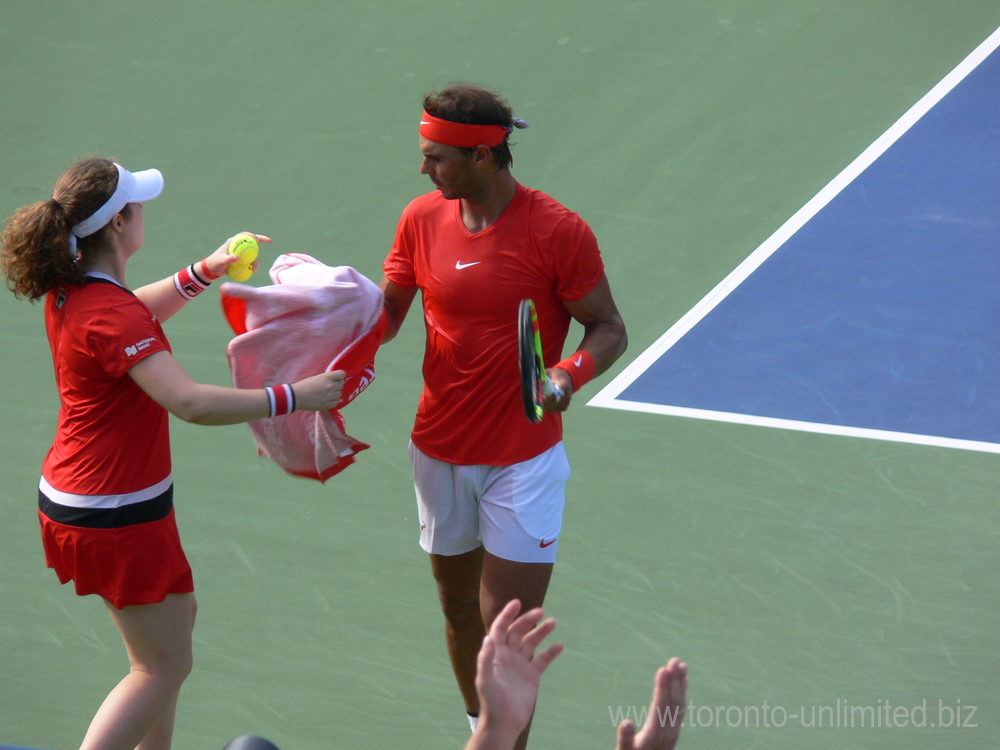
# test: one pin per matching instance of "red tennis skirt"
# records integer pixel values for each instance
(138, 564)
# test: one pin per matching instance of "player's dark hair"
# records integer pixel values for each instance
(34, 246)
(473, 105)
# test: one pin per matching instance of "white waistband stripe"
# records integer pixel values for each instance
(104, 501)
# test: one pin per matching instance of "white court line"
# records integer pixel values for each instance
(608, 396)
(794, 424)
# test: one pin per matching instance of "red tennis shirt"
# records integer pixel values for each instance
(112, 438)
(471, 411)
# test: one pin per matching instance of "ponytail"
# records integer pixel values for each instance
(35, 250)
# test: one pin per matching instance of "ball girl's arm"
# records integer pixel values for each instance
(163, 379)
(162, 296)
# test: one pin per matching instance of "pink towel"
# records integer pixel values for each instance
(315, 318)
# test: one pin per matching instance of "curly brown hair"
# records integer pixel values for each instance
(473, 105)
(34, 246)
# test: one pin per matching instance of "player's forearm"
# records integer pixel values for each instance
(165, 381)
(217, 405)
(392, 324)
(605, 341)
(162, 298)
(396, 302)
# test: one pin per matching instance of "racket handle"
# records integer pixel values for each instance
(551, 389)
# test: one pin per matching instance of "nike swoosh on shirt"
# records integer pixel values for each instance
(459, 265)
(543, 544)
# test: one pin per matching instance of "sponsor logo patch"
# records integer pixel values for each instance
(131, 351)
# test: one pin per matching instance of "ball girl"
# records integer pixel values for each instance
(105, 499)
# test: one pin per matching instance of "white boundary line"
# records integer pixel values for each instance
(608, 396)
(819, 427)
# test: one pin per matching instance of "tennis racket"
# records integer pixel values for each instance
(534, 385)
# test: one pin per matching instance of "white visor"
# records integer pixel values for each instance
(133, 187)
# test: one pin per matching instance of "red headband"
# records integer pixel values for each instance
(460, 135)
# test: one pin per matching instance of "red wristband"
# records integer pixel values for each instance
(280, 399)
(189, 283)
(580, 367)
(204, 269)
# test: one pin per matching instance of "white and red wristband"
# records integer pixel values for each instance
(580, 368)
(281, 399)
(194, 279)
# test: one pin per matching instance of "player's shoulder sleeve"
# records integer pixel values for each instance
(399, 264)
(569, 245)
(124, 333)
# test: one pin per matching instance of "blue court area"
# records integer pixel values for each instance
(876, 310)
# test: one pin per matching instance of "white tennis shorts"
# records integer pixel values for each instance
(515, 511)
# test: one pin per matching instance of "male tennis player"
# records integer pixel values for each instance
(490, 485)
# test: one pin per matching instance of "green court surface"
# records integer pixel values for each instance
(795, 571)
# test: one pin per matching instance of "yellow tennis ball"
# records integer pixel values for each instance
(245, 246)
(239, 271)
